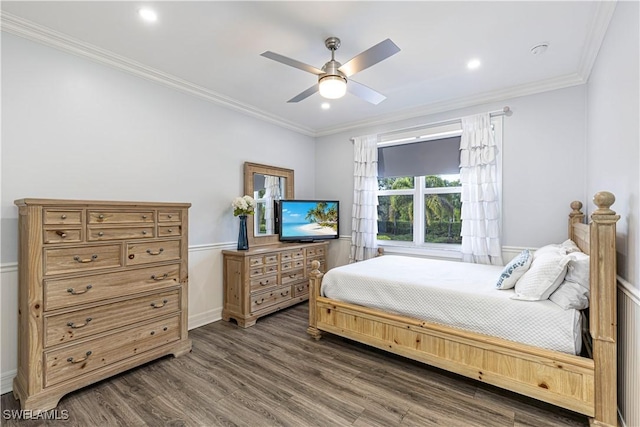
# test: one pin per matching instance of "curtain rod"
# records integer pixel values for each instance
(506, 111)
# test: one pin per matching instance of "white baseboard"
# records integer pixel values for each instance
(6, 381)
(205, 318)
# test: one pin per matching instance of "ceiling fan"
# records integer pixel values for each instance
(332, 78)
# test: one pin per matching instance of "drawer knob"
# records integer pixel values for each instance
(284, 294)
(259, 302)
(84, 261)
(144, 217)
(158, 278)
(144, 232)
(81, 325)
(63, 216)
(154, 305)
(61, 234)
(170, 230)
(169, 216)
(87, 354)
(74, 292)
(100, 233)
(155, 253)
(100, 216)
(266, 282)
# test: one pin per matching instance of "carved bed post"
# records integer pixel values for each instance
(575, 217)
(603, 317)
(315, 280)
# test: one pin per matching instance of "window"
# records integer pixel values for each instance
(422, 210)
(419, 190)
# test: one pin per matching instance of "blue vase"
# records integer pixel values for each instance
(243, 240)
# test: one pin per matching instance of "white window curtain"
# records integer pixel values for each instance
(480, 205)
(271, 193)
(364, 218)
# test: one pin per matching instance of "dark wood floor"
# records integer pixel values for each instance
(273, 374)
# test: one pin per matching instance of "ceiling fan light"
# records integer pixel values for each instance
(332, 87)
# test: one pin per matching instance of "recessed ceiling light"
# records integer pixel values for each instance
(473, 64)
(325, 106)
(148, 15)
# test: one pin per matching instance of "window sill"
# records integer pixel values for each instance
(452, 254)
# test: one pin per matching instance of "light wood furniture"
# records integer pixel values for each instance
(268, 278)
(102, 288)
(584, 385)
(252, 169)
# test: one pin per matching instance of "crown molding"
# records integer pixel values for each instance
(596, 33)
(48, 37)
(470, 101)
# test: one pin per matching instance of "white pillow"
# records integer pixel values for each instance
(543, 277)
(514, 270)
(578, 269)
(570, 246)
(571, 295)
(553, 249)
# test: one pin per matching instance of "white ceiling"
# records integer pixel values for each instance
(212, 49)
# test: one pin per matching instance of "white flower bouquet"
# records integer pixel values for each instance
(243, 205)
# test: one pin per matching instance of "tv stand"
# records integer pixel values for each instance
(267, 278)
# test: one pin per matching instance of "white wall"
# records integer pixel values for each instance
(74, 129)
(613, 160)
(543, 163)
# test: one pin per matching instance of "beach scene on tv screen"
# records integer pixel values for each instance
(309, 219)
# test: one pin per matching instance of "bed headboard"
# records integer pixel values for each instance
(598, 240)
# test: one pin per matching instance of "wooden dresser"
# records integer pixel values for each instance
(267, 278)
(102, 288)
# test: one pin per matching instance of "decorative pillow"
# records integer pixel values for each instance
(543, 277)
(578, 269)
(514, 270)
(571, 295)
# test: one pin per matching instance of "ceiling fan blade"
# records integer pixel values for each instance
(365, 92)
(370, 57)
(307, 93)
(291, 62)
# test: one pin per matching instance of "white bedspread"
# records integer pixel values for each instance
(461, 295)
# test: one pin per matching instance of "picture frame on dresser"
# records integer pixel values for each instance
(102, 289)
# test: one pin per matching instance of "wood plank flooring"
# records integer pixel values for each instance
(273, 374)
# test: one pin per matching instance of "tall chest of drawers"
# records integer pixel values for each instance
(102, 289)
(267, 278)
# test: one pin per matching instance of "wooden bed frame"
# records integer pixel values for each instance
(584, 385)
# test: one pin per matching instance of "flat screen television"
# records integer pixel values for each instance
(307, 220)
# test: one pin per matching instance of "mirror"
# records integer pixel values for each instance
(265, 184)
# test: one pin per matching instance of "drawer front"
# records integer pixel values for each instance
(300, 289)
(62, 217)
(267, 299)
(79, 359)
(264, 283)
(256, 261)
(97, 234)
(67, 327)
(82, 258)
(169, 230)
(315, 252)
(291, 255)
(292, 276)
(119, 217)
(62, 235)
(169, 216)
(60, 293)
(148, 252)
